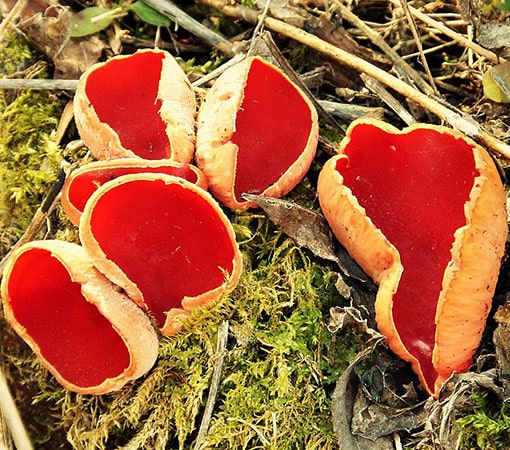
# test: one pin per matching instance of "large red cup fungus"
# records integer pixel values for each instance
(423, 212)
(137, 105)
(257, 133)
(83, 182)
(92, 338)
(165, 241)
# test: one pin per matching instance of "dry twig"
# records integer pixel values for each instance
(221, 345)
(463, 123)
(12, 418)
(462, 40)
(169, 9)
(30, 83)
(387, 98)
(401, 66)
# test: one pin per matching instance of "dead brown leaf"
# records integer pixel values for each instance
(50, 30)
(308, 229)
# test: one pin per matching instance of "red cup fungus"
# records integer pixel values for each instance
(92, 338)
(423, 212)
(165, 241)
(137, 105)
(82, 182)
(257, 133)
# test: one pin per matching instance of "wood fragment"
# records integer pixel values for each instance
(350, 112)
(12, 417)
(31, 83)
(172, 11)
(221, 346)
(387, 98)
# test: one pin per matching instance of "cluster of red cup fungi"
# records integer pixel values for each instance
(421, 210)
(154, 243)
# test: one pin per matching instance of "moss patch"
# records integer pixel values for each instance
(280, 366)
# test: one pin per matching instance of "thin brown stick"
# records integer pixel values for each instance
(12, 418)
(172, 11)
(221, 345)
(463, 123)
(417, 40)
(401, 67)
(462, 40)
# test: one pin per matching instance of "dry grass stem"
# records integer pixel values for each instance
(462, 40)
(169, 9)
(215, 382)
(12, 417)
(463, 123)
(11, 17)
(401, 67)
(417, 40)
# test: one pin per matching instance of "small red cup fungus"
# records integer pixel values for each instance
(92, 338)
(257, 133)
(137, 105)
(423, 212)
(165, 241)
(83, 182)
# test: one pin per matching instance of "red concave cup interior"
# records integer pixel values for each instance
(83, 182)
(71, 333)
(165, 236)
(124, 94)
(413, 187)
(272, 129)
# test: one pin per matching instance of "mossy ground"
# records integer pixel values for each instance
(281, 362)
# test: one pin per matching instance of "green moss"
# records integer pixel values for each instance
(279, 369)
(29, 156)
(15, 54)
(488, 426)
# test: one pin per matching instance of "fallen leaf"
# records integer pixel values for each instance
(50, 33)
(342, 407)
(374, 420)
(343, 316)
(455, 400)
(310, 230)
(501, 339)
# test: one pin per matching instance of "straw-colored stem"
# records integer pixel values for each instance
(463, 123)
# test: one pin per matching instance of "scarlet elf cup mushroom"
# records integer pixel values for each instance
(165, 241)
(82, 182)
(257, 133)
(423, 212)
(137, 105)
(92, 338)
